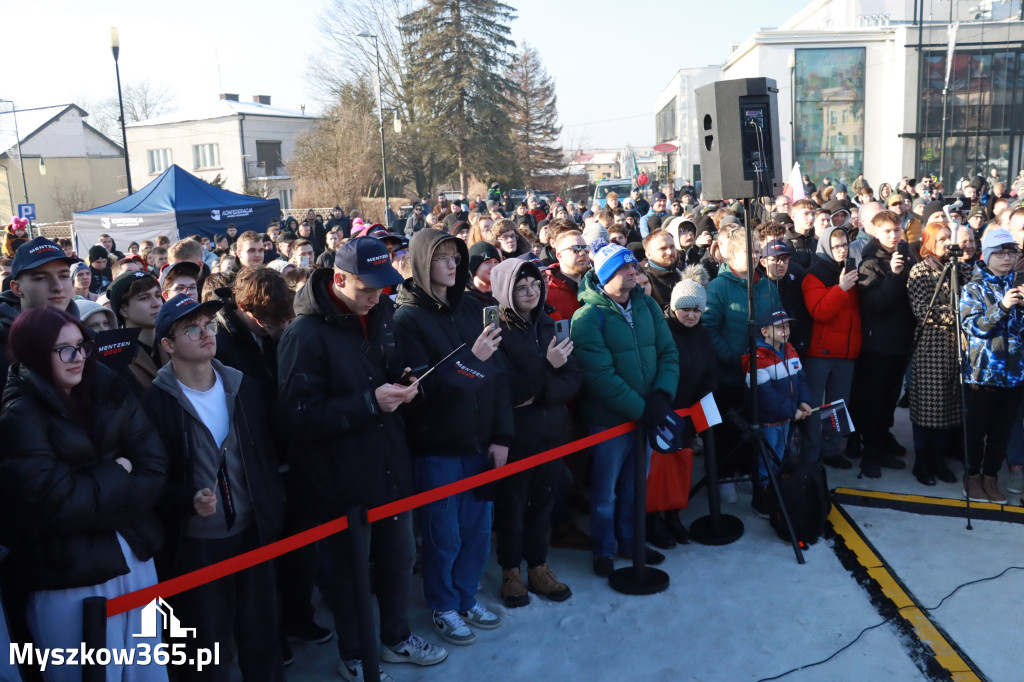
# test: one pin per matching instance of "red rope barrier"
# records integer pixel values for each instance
(207, 574)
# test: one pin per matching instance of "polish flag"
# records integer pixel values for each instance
(794, 188)
(705, 414)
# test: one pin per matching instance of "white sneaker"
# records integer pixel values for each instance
(480, 617)
(353, 672)
(727, 491)
(414, 650)
(1015, 482)
(452, 628)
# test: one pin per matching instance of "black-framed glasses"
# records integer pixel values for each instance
(195, 333)
(185, 288)
(576, 248)
(68, 354)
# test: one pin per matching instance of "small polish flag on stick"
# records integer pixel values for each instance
(705, 414)
(794, 188)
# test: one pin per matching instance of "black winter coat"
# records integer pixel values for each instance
(344, 449)
(237, 348)
(445, 419)
(792, 296)
(662, 282)
(698, 368)
(256, 448)
(63, 498)
(887, 321)
(542, 424)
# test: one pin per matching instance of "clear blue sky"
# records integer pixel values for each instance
(609, 58)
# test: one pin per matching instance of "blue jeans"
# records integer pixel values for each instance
(776, 437)
(611, 493)
(456, 532)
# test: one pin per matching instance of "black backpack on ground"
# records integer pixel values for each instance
(804, 490)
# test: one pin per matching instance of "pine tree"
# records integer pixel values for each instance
(532, 108)
(459, 53)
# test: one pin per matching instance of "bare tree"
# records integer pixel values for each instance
(143, 100)
(69, 197)
(332, 162)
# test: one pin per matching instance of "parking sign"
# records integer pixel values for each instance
(27, 211)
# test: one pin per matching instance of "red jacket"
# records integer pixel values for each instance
(835, 330)
(562, 294)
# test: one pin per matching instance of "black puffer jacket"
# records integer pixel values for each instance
(344, 450)
(804, 247)
(236, 347)
(63, 498)
(524, 344)
(698, 369)
(887, 321)
(445, 419)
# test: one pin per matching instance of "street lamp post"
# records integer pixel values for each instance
(116, 49)
(21, 161)
(380, 119)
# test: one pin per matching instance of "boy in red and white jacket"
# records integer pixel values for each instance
(782, 395)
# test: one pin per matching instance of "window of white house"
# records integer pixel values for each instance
(159, 160)
(205, 156)
(285, 197)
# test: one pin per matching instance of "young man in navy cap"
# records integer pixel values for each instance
(342, 382)
(40, 278)
(135, 299)
(223, 496)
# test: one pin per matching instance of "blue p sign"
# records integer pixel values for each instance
(27, 211)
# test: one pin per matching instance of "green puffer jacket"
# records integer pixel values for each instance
(725, 317)
(621, 364)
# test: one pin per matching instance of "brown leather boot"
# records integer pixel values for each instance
(513, 592)
(973, 489)
(990, 484)
(543, 582)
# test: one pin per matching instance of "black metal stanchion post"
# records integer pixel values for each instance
(715, 528)
(359, 528)
(639, 578)
(94, 635)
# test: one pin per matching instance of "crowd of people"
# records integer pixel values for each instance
(278, 380)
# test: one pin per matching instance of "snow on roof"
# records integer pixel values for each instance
(602, 158)
(221, 109)
(30, 121)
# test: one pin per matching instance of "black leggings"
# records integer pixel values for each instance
(990, 415)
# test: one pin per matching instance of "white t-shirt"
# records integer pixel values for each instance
(212, 407)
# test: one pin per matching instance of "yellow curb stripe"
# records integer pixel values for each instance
(924, 499)
(945, 654)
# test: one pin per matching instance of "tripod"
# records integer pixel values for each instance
(951, 274)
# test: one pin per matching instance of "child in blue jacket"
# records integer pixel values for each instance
(782, 395)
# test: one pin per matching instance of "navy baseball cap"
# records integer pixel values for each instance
(178, 307)
(659, 196)
(772, 317)
(36, 252)
(367, 258)
(381, 232)
(776, 248)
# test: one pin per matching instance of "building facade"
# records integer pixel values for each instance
(860, 88)
(245, 146)
(675, 123)
(68, 165)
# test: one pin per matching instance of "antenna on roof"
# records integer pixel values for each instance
(220, 80)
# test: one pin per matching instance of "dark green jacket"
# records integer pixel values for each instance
(621, 364)
(725, 317)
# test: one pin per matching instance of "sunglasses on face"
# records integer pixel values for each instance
(577, 249)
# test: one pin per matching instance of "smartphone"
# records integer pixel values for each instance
(561, 330)
(304, 261)
(491, 315)
(850, 265)
(1018, 279)
(413, 371)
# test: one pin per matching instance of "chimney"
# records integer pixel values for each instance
(230, 97)
(261, 99)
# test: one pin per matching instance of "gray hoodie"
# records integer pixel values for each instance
(503, 283)
(205, 457)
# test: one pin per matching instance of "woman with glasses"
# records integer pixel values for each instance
(80, 474)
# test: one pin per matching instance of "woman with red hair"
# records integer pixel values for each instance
(935, 411)
(81, 472)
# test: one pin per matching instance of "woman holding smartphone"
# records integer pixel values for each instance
(80, 474)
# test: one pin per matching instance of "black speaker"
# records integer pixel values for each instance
(738, 130)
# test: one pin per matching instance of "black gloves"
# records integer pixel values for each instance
(656, 407)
